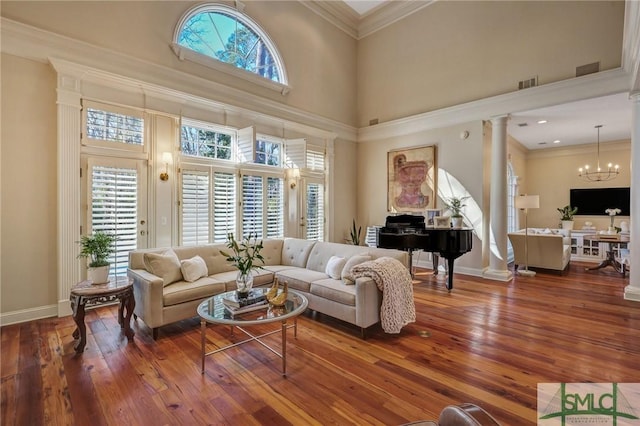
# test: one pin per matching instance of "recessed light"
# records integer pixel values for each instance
(542, 121)
(556, 141)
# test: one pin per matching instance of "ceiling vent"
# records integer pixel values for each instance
(587, 69)
(529, 82)
(522, 124)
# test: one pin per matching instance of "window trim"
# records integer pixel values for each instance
(86, 141)
(184, 53)
(203, 125)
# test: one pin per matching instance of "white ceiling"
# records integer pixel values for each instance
(363, 6)
(574, 123)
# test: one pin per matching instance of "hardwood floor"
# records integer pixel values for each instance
(486, 342)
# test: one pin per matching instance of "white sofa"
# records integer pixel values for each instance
(546, 249)
(301, 263)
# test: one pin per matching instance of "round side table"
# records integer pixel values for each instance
(86, 293)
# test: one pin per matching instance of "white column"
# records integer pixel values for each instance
(69, 219)
(632, 291)
(498, 269)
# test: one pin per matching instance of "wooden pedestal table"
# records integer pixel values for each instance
(86, 293)
(610, 259)
(212, 310)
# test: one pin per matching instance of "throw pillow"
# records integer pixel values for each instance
(165, 266)
(347, 278)
(335, 266)
(193, 269)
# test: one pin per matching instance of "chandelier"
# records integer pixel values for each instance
(599, 174)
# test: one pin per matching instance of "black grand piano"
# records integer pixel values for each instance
(408, 232)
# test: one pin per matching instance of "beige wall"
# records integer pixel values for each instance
(453, 52)
(319, 58)
(552, 172)
(463, 159)
(29, 214)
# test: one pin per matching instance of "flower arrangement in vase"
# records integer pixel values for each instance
(612, 212)
(245, 255)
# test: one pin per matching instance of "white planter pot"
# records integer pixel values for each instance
(567, 224)
(456, 222)
(99, 275)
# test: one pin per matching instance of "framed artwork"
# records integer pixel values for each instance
(442, 222)
(411, 179)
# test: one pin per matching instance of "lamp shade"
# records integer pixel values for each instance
(527, 201)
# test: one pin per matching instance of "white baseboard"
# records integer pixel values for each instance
(30, 314)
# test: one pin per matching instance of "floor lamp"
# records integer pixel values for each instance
(527, 202)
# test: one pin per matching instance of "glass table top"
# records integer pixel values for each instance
(213, 310)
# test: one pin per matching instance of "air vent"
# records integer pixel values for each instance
(587, 69)
(373, 122)
(529, 82)
(522, 124)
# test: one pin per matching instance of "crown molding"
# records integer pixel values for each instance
(114, 69)
(358, 27)
(575, 89)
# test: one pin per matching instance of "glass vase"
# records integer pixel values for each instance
(244, 283)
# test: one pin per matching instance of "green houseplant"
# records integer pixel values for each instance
(566, 216)
(97, 248)
(244, 256)
(455, 206)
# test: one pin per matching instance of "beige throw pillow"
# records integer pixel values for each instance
(193, 269)
(165, 266)
(347, 278)
(334, 267)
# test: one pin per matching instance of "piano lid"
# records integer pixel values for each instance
(405, 221)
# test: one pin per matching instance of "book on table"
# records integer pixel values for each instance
(256, 295)
(248, 308)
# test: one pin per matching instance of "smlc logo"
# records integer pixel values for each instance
(588, 403)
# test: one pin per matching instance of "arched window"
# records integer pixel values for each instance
(224, 38)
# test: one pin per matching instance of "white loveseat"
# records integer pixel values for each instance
(547, 248)
(301, 263)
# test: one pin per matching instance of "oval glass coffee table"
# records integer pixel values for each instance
(213, 311)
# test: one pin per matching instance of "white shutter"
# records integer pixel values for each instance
(224, 205)
(315, 157)
(295, 153)
(195, 207)
(275, 207)
(315, 211)
(114, 202)
(246, 144)
(252, 205)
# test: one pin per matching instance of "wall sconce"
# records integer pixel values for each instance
(167, 159)
(294, 175)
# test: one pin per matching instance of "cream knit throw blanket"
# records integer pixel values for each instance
(393, 279)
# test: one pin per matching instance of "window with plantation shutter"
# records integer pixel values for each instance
(195, 207)
(224, 205)
(314, 211)
(315, 158)
(252, 205)
(275, 207)
(114, 202)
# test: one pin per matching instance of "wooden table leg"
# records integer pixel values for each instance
(81, 330)
(128, 303)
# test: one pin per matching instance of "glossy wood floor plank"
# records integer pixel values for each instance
(486, 342)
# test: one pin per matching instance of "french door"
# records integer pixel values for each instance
(116, 202)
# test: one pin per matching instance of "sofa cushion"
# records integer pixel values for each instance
(345, 275)
(334, 290)
(300, 278)
(193, 268)
(260, 277)
(165, 266)
(272, 252)
(335, 266)
(183, 291)
(215, 261)
(295, 252)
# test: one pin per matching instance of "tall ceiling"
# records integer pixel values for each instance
(569, 124)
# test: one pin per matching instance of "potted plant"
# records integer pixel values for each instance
(97, 248)
(355, 234)
(455, 206)
(244, 256)
(566, 216)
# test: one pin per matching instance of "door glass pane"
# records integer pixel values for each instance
(315, 212)
(195, 208)
(114, 201)
(252, 205)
